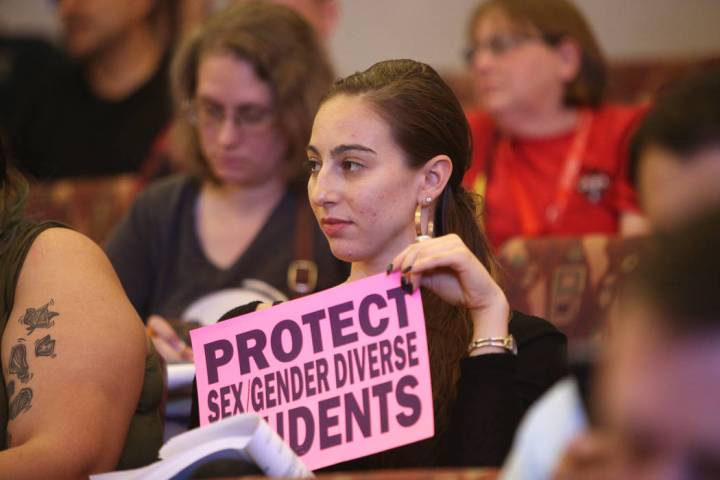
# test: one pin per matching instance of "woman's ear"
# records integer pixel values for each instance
(435, 175)
(570, 55)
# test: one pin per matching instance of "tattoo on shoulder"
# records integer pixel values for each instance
(21, 403)
(45, 347)
(32, 319)
(18, 363)
(38, 317)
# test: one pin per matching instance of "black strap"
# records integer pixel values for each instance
(303, 272)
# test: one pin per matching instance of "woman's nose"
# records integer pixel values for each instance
(228, 133)
(482, 60)
(321, 188)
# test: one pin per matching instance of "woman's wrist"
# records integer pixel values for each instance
(491, 322)
(493, 319)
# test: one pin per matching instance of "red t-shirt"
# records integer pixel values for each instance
(599, 194)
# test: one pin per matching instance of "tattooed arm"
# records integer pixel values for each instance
(73, 356)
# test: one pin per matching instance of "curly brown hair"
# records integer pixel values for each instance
(284, 51)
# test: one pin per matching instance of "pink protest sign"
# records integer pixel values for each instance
(340, 374)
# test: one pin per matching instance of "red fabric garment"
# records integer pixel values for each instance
(602, 191)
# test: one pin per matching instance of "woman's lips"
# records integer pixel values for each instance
(232, 162)
(333, 226)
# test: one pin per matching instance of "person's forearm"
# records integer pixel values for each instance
(49, 459)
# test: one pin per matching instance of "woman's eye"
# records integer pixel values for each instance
(351, 166)
(312, 165)
(212, 111)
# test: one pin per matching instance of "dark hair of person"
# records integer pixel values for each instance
(284, 51)
(684, 119)
(426, 120)
(678, 276)
(555, 21)
(13, 192)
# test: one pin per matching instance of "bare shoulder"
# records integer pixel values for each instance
(72, 338)
(58, 246)
(67, 268)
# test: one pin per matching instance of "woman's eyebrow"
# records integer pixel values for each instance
(208, 100)
(340, 149)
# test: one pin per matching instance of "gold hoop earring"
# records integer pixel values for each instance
(424, 228)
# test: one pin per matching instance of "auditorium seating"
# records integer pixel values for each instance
(571, 281)
(90, 205)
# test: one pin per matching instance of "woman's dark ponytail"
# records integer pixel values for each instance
(459, 213)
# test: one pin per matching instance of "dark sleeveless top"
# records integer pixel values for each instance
(144, 437)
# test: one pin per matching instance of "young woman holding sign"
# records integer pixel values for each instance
(387, 156)
(388, 152)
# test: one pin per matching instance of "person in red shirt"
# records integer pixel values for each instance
(549, 155)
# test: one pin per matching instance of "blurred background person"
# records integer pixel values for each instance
(101, 112)
(676, 156)
(238, 228)
(659, 383)
(549, 155)
(676, 152)
(322, 15)
(25, 61)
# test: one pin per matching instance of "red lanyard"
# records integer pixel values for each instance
(531, 223)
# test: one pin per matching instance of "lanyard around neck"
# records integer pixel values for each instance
(531, 223)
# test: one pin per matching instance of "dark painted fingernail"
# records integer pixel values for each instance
(407, 269)
(403, 281)
(389, 268)
(408, 287)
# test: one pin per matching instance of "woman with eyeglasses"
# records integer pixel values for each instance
(549, 155)
(237, 227)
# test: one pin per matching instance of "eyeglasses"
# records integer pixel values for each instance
(498, 45)
(211, 116)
